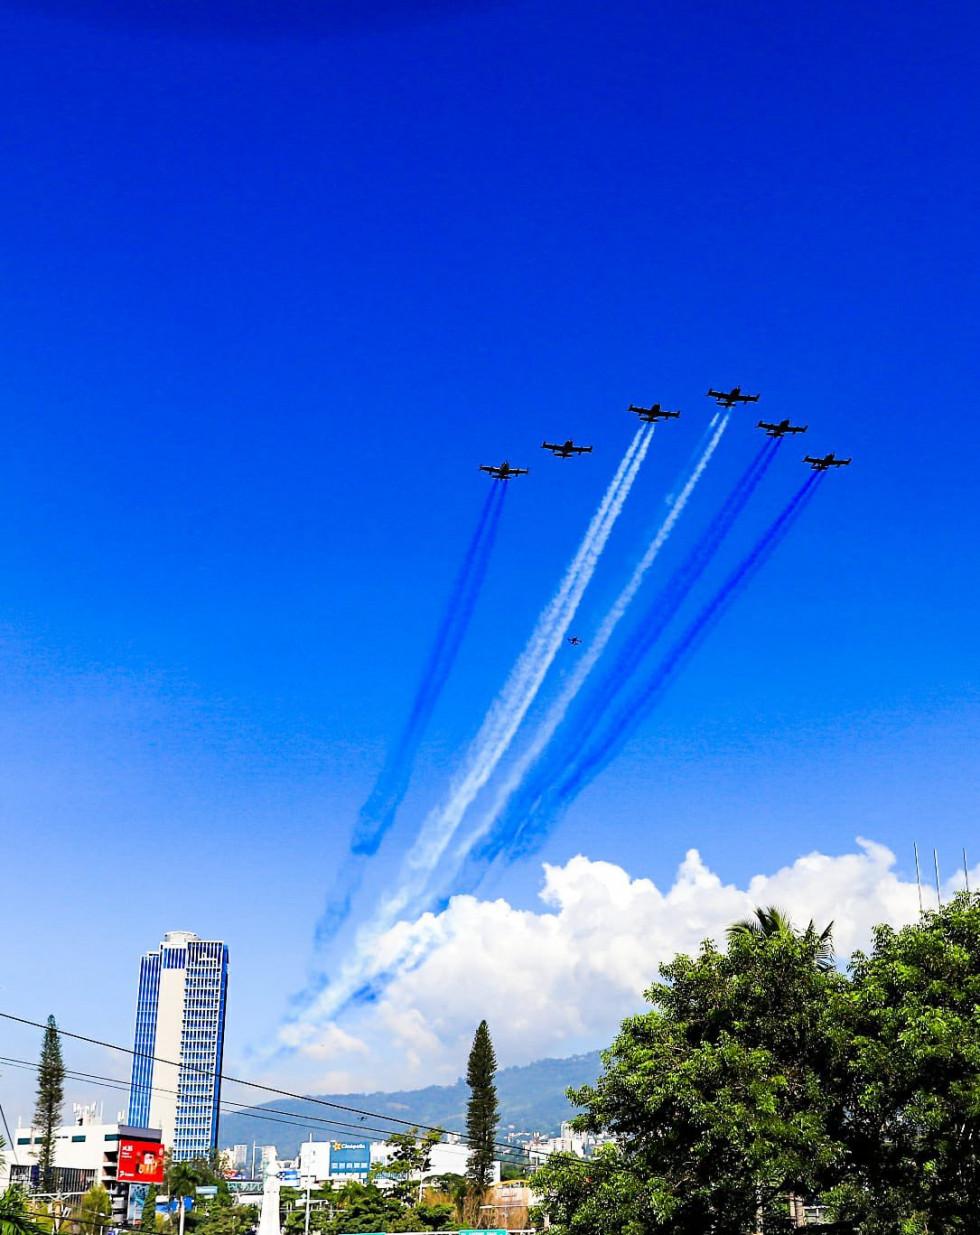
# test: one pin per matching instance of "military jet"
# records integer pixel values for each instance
(783, 427)
(652, 414)
(828, 461)
(566, 449)
(574, 640)
(731, 397)
(504, 471)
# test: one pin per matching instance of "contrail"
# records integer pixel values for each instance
(644, 699)
(650, 627)
(378, 813)
(497, 731)
(507, 712)
(559, 708)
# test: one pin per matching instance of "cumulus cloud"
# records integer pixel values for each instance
(559, 980)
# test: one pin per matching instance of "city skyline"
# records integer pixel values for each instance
(273, 299)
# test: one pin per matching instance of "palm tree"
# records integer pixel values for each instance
(15, 1216)
(181, 1182)
(771, 921)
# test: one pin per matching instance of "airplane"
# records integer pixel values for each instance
(652, 414)
(566, 449)
(828, 461)
(504, 471)
(574, 640)
(783, 427)
(731, 397)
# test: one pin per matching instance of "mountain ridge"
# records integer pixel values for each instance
(531, 1098)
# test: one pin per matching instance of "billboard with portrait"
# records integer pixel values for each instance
(140, 1162)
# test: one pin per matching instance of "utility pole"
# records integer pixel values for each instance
(918, 876)
(306, 1221)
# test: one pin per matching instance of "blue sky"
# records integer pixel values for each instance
(274, 288)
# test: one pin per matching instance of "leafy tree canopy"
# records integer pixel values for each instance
(761, 1076)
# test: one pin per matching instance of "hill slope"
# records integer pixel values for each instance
(532, 1098)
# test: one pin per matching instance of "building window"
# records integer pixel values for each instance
(76, 1139)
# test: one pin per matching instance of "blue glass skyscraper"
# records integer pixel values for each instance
(179, 1040)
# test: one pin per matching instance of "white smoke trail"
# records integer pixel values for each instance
(494, 737)
(507, 712)
(559, 708)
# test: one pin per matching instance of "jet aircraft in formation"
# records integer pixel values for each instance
(652, 414)
(828, 461)
(504, 471)
(656, 411)
(778, 430)
(566, 449)
(728, 398)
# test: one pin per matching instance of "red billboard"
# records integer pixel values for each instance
(140, 1162)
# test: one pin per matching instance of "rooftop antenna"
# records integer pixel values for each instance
(966, 873)
(918, 875)
(939, 895)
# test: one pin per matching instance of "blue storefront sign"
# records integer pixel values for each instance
(350, 1157)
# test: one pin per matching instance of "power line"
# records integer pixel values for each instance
(272, 1089)
(228, 1106)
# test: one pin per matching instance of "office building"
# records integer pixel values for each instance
(180, 1029)
(89, 1151)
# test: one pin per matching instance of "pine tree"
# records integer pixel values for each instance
(481, 1110)
(50, 1097)
(148, 1214)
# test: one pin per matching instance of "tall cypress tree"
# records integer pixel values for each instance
(148, 1214)
(481, 1110)
(50, 1097)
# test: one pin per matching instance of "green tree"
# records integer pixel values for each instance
(409, 1162)
(910, 1025)
(148, 1214)
(724, 1098)
(364, 1207)
(15, 1213)
(50, 1098)
(182, 1179)
(771, 920)
(93, 1214)
(481, 1110)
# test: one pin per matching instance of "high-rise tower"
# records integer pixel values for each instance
(180, 1031)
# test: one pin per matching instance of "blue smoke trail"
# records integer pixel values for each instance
(378, 813)
(651, 626)
(642, 701)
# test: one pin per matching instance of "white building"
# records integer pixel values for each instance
(86, 1152)
(343, 1160)
(540, 1148)
(180, 1029)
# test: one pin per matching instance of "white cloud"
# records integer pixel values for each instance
(559, 980)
